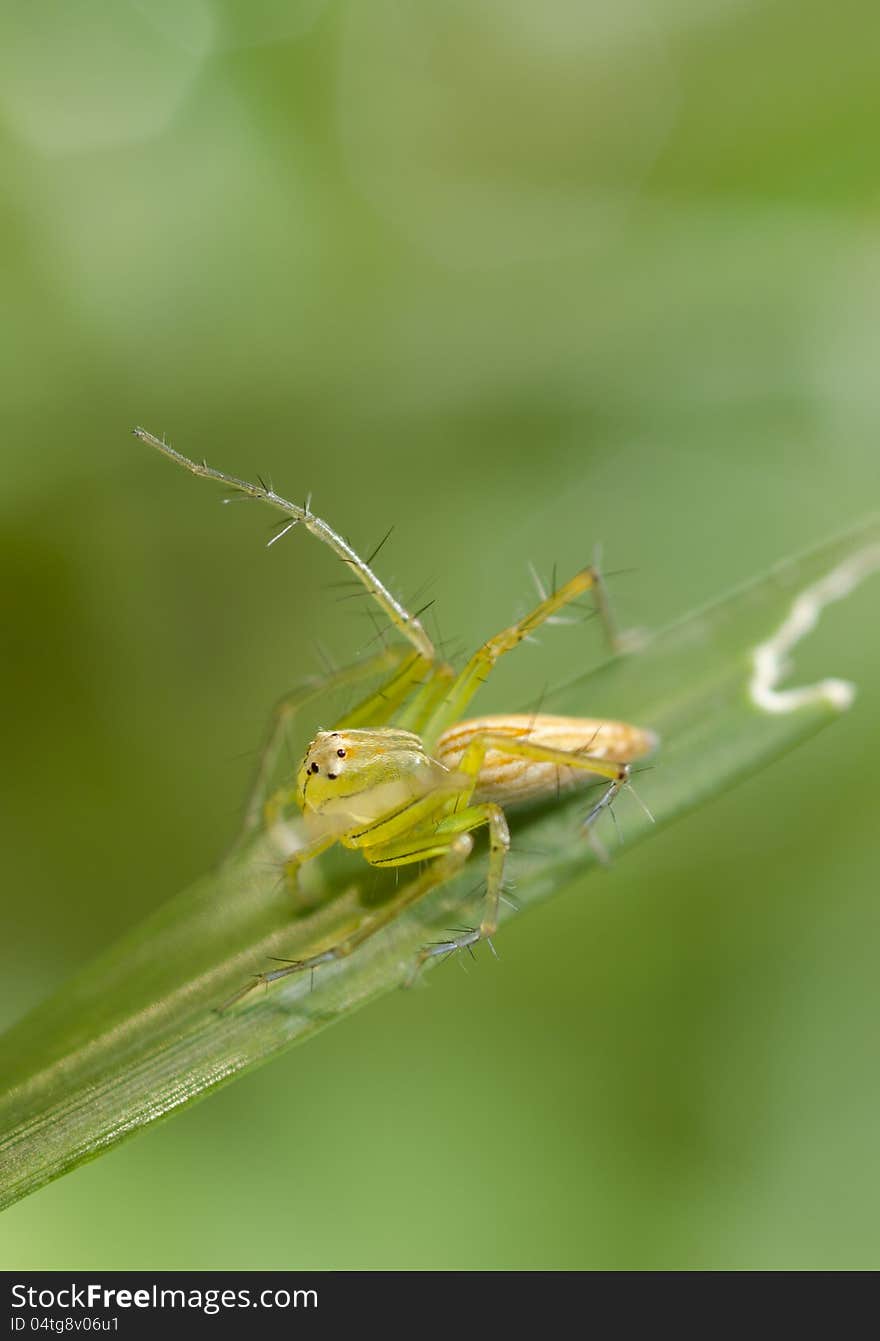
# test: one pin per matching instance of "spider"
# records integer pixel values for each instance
(404, 778)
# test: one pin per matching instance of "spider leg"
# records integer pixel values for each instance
(454, 852)
(474, 757)
(467, 817)
(463, 821)
(481, 664)
(406, 624)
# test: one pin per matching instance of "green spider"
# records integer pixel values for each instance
(404, 778)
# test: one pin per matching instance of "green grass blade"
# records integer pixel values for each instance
(135, 1035)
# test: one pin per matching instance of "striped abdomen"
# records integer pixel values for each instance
(507, 779)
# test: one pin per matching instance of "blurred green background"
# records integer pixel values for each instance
(513, 278)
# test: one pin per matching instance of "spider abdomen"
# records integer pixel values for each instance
(509, 779)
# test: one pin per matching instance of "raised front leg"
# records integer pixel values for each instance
(407, 625)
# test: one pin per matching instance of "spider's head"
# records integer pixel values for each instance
(325, 765)
(362, 774)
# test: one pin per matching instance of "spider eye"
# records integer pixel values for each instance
(314, 769)
(332, 777)
(341, 753)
